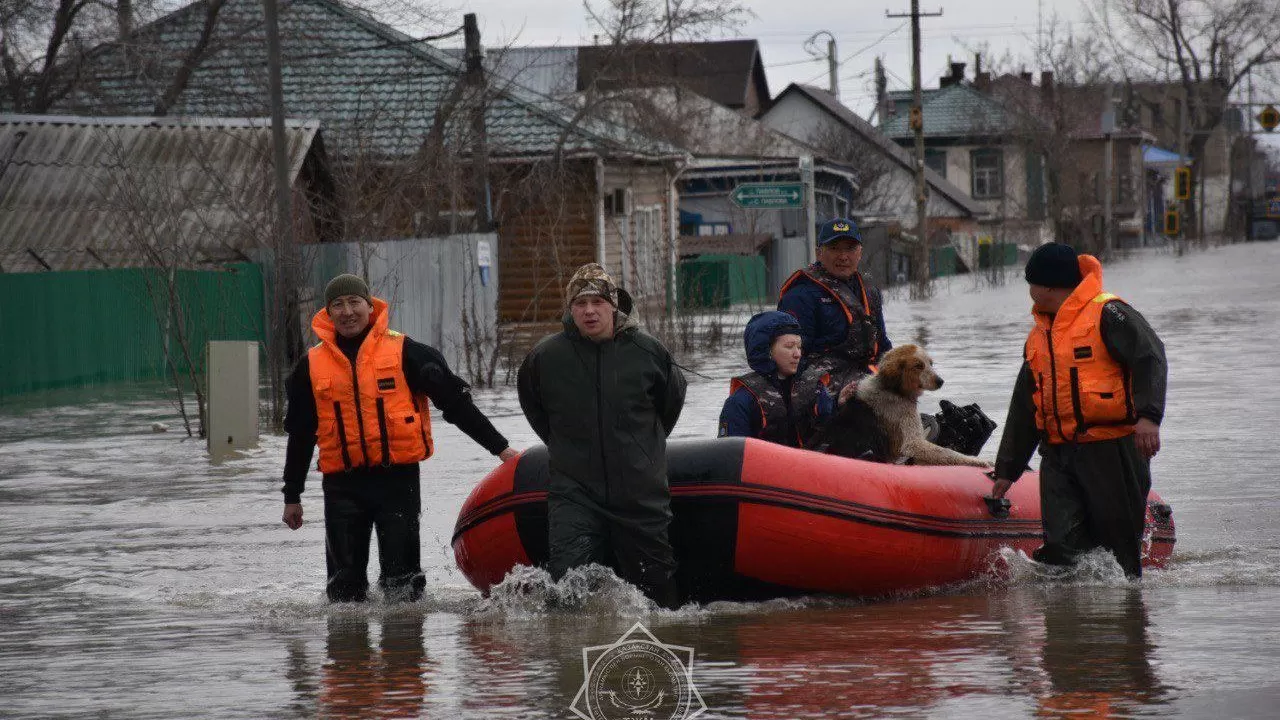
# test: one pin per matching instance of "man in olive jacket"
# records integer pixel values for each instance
(604, 395)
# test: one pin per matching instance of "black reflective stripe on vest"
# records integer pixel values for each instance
(342, 434)
(382, 428)
(784, 423)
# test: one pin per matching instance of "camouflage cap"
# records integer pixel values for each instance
(591, 279)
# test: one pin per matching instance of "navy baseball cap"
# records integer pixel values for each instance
(838, 228)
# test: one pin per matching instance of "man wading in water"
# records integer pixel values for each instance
(603, 395)
(361, 394)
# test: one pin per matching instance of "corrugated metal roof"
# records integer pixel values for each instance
(87, 193)
(550, 71)
(377, 90)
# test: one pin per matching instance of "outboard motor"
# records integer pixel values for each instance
(963, 429)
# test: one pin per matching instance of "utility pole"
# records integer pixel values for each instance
(475, 80)
(1108, 130)
(922, 284)
(833, 61)
(1182, 155)
(833, 68)
(284, 326)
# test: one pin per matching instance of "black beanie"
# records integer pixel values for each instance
(1054, 265)
(346, 284)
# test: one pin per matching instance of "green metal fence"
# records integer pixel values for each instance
(70, 329)
(718, 281)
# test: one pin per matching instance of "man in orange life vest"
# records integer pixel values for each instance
(840, 316)
(361, 394)
(1091, 395)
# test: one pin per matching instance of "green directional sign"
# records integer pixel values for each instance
(768, 196)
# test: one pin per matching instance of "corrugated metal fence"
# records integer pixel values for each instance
(443, 291)
(67, 329)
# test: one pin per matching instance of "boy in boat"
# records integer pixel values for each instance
(777, 401)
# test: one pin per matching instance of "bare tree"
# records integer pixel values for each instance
(1205, 47)
(624, 22)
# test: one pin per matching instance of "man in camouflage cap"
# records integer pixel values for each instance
(604, 395)
(591, 279)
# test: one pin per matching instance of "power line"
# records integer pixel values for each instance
(793, 62)
(879, 40)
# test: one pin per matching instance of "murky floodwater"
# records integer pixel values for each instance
(138, 581)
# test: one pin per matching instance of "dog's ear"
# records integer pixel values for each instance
(893, 368)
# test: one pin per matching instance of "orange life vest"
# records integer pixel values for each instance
(1081, 393)
(368, 416)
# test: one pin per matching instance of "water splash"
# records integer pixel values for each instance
(1097, 568)
(592, 590)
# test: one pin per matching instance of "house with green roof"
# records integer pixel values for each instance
(972, 141)
(399, 117)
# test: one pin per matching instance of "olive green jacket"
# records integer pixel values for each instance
(604, 410)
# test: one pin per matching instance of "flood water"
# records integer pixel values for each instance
(137, 580)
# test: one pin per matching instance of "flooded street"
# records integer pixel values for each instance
(137, 580)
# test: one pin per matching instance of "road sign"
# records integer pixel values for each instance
(1269, 118)
(768, 196)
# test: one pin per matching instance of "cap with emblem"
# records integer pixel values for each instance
(833, 230)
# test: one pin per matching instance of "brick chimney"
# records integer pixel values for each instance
(1046, 83)
(955, 78)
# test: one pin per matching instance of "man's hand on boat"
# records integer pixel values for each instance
(1000, 488)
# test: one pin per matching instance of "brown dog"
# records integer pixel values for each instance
(893, 394)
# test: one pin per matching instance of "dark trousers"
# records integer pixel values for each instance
(639, 553)
(1094, 495)
(357, 503)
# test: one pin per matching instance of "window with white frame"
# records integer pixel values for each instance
(646, 249)
(987, 173)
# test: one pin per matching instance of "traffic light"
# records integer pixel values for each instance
(1182, 183)
(1171, 222)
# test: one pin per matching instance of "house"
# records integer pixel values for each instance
(405, 125)
(131, 242)
(885, 170)
(701, 98)
(107, 193)
(730, 73)
(1160, 109)
(727, 72)
(976, 143)
(728, 149)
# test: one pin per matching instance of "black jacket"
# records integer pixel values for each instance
(1132, 343)
(426, 371)
(604, 410)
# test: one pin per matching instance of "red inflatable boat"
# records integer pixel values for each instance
(753, 520)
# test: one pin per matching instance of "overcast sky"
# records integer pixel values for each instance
(861, 29)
